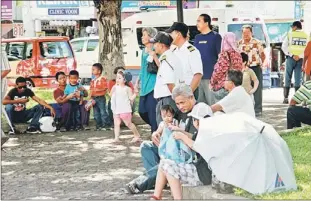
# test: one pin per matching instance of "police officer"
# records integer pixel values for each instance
(189, 56)
(169, 73)
(293, 47)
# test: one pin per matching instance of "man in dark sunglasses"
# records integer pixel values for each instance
(15, 106)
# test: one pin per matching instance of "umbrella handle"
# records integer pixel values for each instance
(263, 128)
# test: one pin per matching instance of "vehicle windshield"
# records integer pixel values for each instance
(55, 50)
(257, 31)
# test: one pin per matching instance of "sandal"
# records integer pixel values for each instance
(155, 198)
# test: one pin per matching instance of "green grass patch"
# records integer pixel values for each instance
(299, 142)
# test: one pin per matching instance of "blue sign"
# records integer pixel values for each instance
(63, 11)
(63, 4)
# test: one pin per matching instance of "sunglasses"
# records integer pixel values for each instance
(22, 87)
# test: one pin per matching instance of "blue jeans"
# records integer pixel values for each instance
(100, 113)
(74, 116)
(34, 113)
(293, 66)
(151, 159)
(147, 110)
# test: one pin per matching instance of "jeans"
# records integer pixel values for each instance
(34, 113)
(110, 113)
(297, 115)
(147, 110)
(258, 93)
(100, 113)
(151, 159)
(74, 116)
(206, 95)
(293, 66)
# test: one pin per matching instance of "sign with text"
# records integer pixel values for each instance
(6, 10)
(63, 11)
(64, 4)
(18, 29)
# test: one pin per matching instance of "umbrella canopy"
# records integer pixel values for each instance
(246, 153)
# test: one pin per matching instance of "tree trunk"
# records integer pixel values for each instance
(110, 35)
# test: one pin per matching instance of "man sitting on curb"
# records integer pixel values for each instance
(15, 106)
(238, 100)
(299, 114)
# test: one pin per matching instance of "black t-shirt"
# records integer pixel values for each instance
(14, 95)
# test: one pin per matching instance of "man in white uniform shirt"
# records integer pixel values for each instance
(238, 100)
(189, 56)
(169, 73)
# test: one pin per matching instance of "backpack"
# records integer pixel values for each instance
(47, 124)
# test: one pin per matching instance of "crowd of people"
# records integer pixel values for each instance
(179, 84)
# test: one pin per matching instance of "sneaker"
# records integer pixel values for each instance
(131, 188)
(11, 132)
(108, 128)
(32, 130)
(78, 128)
(285, 101)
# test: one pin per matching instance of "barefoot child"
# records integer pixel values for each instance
(249, 76)
(122, 99)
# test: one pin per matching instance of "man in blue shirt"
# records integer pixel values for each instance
(209, 45)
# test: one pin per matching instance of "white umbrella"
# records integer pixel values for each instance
(246, 153)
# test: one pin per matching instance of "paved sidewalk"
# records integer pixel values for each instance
(78, 165)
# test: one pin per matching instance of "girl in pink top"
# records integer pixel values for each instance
(122, 99)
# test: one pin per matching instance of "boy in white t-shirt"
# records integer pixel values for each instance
(238, 100)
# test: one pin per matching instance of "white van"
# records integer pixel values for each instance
(86, 52)
(223, 20)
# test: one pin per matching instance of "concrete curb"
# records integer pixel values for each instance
(205, 193)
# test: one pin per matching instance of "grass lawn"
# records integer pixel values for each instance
(299, 142)
(47, 95)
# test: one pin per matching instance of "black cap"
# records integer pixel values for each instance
(297, 24)
(178, 26)
(163, 38)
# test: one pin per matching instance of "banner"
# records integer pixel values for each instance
(6, 10)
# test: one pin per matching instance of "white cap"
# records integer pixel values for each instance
(200, 111)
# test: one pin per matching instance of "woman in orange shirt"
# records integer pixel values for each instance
(307, 61)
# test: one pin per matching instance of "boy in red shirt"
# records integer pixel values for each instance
(98, 90)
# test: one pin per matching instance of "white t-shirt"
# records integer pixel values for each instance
(190, 58)
(170, 72)
(120, 100)
(238, 100)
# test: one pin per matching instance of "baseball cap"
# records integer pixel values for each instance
(178, 26)
(297, 24)
(201, 111)
(128, 76)
(163, 38)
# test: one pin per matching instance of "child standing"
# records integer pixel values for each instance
(122, 99)
(111, 83)
(98, 90)
(74, 87)
(249, 76)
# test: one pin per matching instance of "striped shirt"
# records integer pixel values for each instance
(303, 94)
